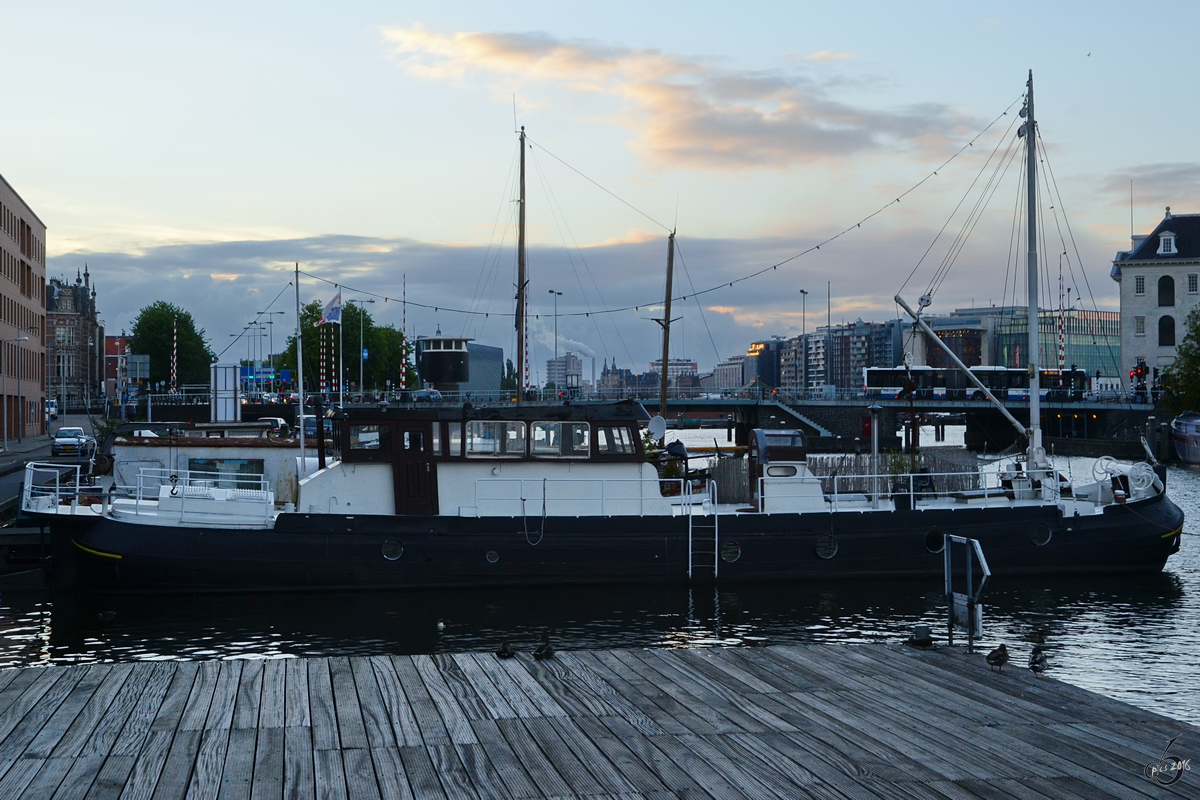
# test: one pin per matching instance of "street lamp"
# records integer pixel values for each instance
(271, 342)
(361, 315)
(803, 331)
(4, 369)
(558, 371)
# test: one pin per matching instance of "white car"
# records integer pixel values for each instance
(72, 442)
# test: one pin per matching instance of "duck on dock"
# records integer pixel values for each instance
(545, 649)
(1038, 662)
(998, 658)
(506, 651)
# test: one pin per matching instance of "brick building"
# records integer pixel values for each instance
(22, 315)
(76, 341)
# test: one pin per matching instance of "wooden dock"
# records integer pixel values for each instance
(787, 721)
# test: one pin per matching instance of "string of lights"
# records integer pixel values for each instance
(717, 287)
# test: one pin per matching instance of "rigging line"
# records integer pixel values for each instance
(556, 208)
(700, 308)
(1013, 236)
(257, 317)
(481, 282)
(957, 206)
(972, 220)
(598, 185)
(1075, 246)
(723, 284)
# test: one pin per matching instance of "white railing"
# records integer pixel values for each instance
(963, 486)
(48, 485)
(197, 488)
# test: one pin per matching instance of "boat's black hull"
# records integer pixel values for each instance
(327, 551)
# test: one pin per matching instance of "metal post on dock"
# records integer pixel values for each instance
(964, 610)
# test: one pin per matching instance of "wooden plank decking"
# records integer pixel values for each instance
(788, 721)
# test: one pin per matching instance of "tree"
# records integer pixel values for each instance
(153, 335)
(509, 382)
(1181, 380)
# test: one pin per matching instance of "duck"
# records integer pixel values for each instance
(441, 625)
(998, 658)
(506, 651)
(1038, 662)
(545, 649)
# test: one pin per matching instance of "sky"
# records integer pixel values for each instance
(196, 153)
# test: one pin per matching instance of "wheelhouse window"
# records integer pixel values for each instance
(487, 439)
(560, 439)
(454, 440)
(226, 473)
(370, 437)
(614, 440)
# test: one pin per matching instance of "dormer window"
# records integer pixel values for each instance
(1166, 244)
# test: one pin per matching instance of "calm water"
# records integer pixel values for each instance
(1129, 638)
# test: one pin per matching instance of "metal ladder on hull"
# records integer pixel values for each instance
(704, 540)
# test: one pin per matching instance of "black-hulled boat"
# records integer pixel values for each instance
(464, 496)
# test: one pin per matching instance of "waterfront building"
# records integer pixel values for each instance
(74, 341)
(486, 369)
(1159, 278)
(730, 373)
(677, 368)
(1091, 341)
(763, 361)
(22, 315)
(563, 370)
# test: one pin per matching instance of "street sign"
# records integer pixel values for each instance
(364, 354)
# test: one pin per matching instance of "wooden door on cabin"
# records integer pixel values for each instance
(413, 470)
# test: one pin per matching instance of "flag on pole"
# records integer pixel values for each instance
(333, 311)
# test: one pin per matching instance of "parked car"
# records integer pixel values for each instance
(310, 427)
(52, 408)
(427, 396)
(279, 427)
(72, 442)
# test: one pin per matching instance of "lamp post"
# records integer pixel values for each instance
(4, 369)
(87, 387)
(803, 332)
(557, 295)
(361, 315)
(271, 342)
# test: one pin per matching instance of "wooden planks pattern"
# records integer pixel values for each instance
(838, 722)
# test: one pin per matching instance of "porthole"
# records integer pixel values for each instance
(935, 541)
(731, 552)
(827, 546)
(1039, 533)
(781, 472)
(492, 556)
(392, 549)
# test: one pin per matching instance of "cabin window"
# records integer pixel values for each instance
(1166, 291)
(226, 473)
(454, 440)
(612, 440)
(413, 441)
(370, 437)
(437, 438)
(560, 439)
(781, 472)
(486, 439)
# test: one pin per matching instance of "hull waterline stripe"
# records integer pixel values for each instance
(95, 552)
(1172, 533)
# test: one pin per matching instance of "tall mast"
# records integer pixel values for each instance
(521, 279)
(1035, 410)
(666, 326)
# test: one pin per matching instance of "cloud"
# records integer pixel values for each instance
(830, 55)
(1175, 184)
(685, 112)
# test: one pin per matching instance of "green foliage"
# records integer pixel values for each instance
(388, 352)
(1181, 380)
(153, 333)
(509, 382)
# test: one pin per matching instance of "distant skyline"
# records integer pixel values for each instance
(193, 154)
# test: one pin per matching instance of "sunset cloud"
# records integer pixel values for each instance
(1175, 185)
(685, 112)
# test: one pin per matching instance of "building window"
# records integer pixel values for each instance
(1192, 283)
(1139, 326)
(1166, 332)
(1139, 285)
(1166, 244)
(1166, 291)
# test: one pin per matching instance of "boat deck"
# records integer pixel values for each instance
(783, 721)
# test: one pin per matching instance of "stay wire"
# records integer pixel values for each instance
(257, 317)
(710, 289)
(700, 308)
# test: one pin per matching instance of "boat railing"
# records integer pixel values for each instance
(49, 484)
(962, 487)
(198, 490)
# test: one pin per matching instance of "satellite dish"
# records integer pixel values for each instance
(658, 426)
